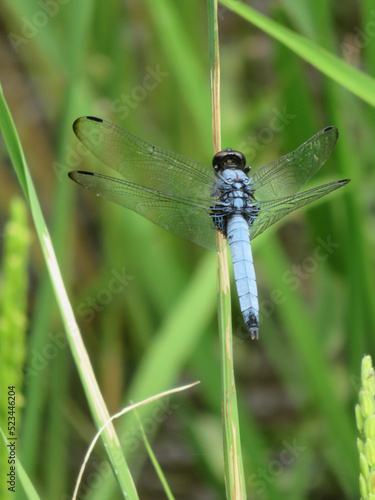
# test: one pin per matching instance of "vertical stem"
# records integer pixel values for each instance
(234, 474)
(213, 33)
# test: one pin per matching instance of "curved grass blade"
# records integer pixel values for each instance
(114, 417)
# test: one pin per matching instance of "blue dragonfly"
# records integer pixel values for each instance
(194, 201)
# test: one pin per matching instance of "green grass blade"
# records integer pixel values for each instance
(352, 79)
(21, 476)
(27, 485)
(94, 397)
(178, 334)
(154, 460)
(75, 96)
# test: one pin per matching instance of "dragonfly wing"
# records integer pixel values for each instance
(272, 211)
(188, 218)
(140, 162)
(286, 175)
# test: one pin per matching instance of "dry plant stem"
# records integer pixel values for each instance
(215, 81)
(234, 474)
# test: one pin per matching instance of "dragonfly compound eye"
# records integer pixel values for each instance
(228, 159)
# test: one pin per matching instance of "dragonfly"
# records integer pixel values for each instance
(194, 201)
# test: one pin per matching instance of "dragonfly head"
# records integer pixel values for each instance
(229, 159)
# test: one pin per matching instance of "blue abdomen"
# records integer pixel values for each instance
(244, 273)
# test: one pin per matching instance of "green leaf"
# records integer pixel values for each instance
(352, 79)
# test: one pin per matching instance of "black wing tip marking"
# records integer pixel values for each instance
(344, 181)
(331, 127)
(82, 118)
(74, 173)
(94, 119)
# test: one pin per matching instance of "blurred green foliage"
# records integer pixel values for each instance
(13, 325)
(144, 66)
(365, 414)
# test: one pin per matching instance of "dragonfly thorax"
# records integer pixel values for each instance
(235, 195)
(234, 189)
(229, 159)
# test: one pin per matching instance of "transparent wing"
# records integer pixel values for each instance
(286, 175)
(272, 211)
(141, 163)
(186, 217)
